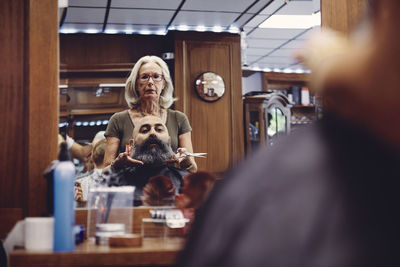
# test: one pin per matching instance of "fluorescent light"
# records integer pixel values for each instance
(276, 70)
(256, 68)
(63, 86)
(217, 29)
(171, 28)
(91, 31)
(68, 31)
(233, 30)
(111, 31)
(161, 32)
(288, 70)
(266, 69)
(200, 28)
(299, 71)
(183, 28)
(145, 32)
(292, 21)
(112, 85)
(128, 31)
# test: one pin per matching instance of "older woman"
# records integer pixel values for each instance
(148, 91)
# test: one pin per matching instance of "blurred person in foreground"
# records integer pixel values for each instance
(148, 91)
(327, 196)
(150, 150)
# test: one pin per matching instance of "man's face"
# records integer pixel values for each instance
(150, 126)
(151, 141)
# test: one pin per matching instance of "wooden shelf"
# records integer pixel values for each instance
(96, 68)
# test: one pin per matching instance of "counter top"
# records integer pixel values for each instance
(154, 251)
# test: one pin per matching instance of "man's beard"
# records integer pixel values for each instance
(153, 151)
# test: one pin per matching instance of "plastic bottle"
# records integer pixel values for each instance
(64, 212)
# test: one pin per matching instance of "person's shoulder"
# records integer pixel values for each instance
(179, 115)
(120, 115)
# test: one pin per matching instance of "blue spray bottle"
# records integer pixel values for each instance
(64, 213)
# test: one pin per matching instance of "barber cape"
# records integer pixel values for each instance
(138, 176)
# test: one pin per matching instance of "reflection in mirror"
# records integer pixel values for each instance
(276, 124)
(210, 86)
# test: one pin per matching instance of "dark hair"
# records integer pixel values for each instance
(98, 152)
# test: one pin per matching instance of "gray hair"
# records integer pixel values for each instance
(131, 95)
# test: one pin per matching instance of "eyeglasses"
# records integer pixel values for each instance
(156, 77)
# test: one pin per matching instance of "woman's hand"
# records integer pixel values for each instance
(124, 160)
(183, 161)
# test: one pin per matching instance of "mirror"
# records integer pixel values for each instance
(209, 86)
(276, 124)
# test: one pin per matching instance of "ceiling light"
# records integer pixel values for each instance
(299, 71)
(183, 28)
(63, 86)
(145, 32)
(68, 31)
(256, 68)
(276, 70)
(200, 28)
(288, 70)
(171, 28)
(161, 32)
(217, 29)
(112, 85)
(91, 31)
(292, 21)
(233, 29)
(111, 31)
(128, 31)
(266, 69)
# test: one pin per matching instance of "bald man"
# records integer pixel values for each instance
(149, 154)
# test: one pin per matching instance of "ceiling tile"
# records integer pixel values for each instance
(88, 3)
(297, 8)
(87, 15)
(134, 16)
(258, 51)
(257, 20)
(155, 4)
(275, 33)
(82, 27)
(204, 18)
(294, 44)
(272, 7)
(264, 43)
(212, 5)
(283, 53)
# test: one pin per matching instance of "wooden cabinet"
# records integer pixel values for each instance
(267, 118)
(86, 109)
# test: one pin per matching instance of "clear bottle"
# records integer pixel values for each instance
(64, 213)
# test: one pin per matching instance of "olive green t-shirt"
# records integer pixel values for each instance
(121, 127)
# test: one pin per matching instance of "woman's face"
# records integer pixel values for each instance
(150, 81)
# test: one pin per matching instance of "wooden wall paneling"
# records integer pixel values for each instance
(217, 126)
(12, 102)
(341, 15)
(28, 104)
(237, 103)
(43, 98)
(99, 49)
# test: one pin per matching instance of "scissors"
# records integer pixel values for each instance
(188, 154)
